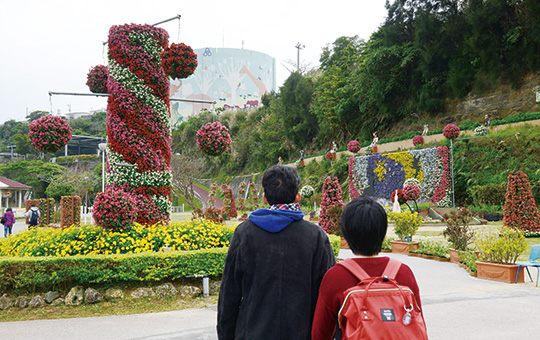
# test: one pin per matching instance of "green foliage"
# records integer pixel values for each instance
(457, 230)
(489, 194)
(407, 223)
(335, 242)
(501, 246)
(297, 121)
(57, 190)
(432, 247)
(29, 274)
(36, 174)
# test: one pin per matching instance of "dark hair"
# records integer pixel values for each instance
(280, 184)
(364, 224)
(9, 209)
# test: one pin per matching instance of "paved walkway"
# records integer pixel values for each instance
(456, 306)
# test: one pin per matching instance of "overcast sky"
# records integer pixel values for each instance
(50, 45)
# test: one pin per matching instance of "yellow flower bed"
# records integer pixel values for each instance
(94, 240)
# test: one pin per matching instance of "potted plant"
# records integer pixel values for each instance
(458, 232)
(406, 226)
(498, 252)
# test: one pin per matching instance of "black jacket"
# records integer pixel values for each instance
(271, 281)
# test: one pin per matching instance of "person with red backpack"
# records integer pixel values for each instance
(368, 296)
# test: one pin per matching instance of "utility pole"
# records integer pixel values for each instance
(299, 47)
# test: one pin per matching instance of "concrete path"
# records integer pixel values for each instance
(456, 306)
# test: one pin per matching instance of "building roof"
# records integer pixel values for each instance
(10, 184)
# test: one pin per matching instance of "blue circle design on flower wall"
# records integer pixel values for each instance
(385, 175)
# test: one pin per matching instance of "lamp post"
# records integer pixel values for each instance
(102, 148)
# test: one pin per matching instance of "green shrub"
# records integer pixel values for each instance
(431, 247)
(503, 246)
(490, 194)
(31, 274)
(335, 242)
(457, 230)
(407, 223)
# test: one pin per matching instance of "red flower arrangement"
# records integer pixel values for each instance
(179, 61)
(213, 139)
(229, 206)
(411, 192)
(520, 210)
(49, 133)
(444, 185)
(401, 198)
(331, 206)
(328, 155)
(114, 209)
(138, 127)
(451, 131)
(418, 140)
(354, 146)
(97, 79)
(353, 193)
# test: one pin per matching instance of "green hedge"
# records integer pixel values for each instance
(31, 274)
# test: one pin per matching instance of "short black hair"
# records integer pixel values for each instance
(364, 224)
(280, 184)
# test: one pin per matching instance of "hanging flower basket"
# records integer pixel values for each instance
(354, 146)
(418, 140)
(49, 133)
(307, 191)
(97, 79)
(411, 192)
(179, 61)
(451, 131)
(213, 139)
(401, 199)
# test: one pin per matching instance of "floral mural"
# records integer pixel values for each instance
(381, 174)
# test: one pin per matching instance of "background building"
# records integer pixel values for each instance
(233, 78)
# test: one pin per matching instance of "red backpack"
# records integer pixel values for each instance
(379, 308)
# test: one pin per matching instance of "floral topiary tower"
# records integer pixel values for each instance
(331, 206)
(520, 210)
(138, 116)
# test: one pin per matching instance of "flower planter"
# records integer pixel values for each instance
(498, 272)
(400, 247)
(344, 244)
(374, 149)
(454, 255)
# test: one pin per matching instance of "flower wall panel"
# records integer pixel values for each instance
(380, 174)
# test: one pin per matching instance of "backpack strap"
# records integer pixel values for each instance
(354, 268)
(392, 268)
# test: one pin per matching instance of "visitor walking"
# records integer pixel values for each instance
(8, 220)
(274, 266)
(33, 215)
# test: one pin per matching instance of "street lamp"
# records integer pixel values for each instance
(102, 148)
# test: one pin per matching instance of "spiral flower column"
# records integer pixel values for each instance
(138, 123)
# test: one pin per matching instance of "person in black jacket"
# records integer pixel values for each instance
(274, 267)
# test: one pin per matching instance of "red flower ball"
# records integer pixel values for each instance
(399, 192)
(451, 131)
(114, 209)
(418, 140)
(354, 146)
(328, 155)
(97, 79)
(49, 133)
(179, 61)
(411, 192)
(213, 139)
